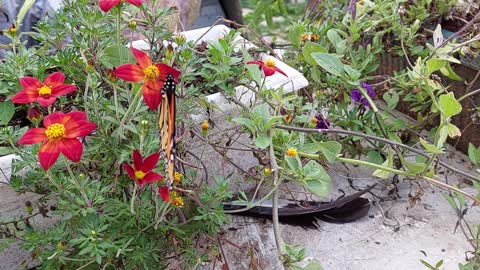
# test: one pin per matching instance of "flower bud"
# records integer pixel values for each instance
(180, 39)
(132, 24)
(34, 115)
(12, 30)
(205, 127)
(267, 171)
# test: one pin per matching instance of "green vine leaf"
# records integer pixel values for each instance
(329, 62)
(317, 180)
(330, 150)
(449, 105)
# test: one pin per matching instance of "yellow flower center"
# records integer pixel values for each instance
(139, 175)
(55, 131)
(270, 63)
(314, 120)
(151, 72)
(177, 201)
(45, 91)
(291, 152)
(177, 177)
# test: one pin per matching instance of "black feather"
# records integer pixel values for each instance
(307, 213)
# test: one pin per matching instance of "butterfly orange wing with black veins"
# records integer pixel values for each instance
(167, 125)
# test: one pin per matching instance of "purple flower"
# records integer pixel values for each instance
(321, 122)
(357, 96)
(352, 8)
(283, 111)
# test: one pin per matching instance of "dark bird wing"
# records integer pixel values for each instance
(307, 213)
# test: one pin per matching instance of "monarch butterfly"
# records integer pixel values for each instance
(167, 125)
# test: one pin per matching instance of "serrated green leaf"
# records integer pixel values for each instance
(115, 56)
(262, 142)
(295, 34)
(293, 163)
(330, 150)
(317, 180)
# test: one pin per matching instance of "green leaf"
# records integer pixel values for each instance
(312, 265)
(352, 73)
(330, 150)
(374, 157)
(449, 105)
(430, 147)
(448, 71)
(23, 11)
(255, 73)
(262, 142)
(453, 131)
(329, 62)
(415, 167)
(316, 179)
(310, 48)
(295, 34)
(334, 37)
(474, 154)
(115, 56)
(434, 65)
(294, 163)
(388, 163)
(7, 109)
(246, 122)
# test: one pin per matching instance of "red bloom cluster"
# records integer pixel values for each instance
(106, 5)
(141, 171)
(152, 75)
(44, 93)
(59, 135)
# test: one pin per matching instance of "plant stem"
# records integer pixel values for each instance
(474, 92)
(127, 113)
(276, 182)
(74, 180)
(379, 139)
(373, 165)
(132, 200)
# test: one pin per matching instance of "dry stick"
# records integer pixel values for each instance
(448, 187)
(383, 140)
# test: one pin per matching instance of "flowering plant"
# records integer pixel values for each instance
(147, 158)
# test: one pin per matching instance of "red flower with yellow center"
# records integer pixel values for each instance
(59, 135)
(44, 93)
(142, 169)
(152, 75)
(170, 196)
(268, 67)
(106, 5)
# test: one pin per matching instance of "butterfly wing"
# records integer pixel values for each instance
(167, 125)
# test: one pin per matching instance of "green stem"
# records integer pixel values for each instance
(115, 100)
(127, 113)
(370, 101)
(74, 180)
(85, 94)
(373, 165)
(132, 201)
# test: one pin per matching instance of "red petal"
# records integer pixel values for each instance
(56, 117)
(268, 71)
(130, 73)
(166, 69)
(137, 160)
(106, 5)
(135, 2)
(151, 177)
(32, 136)
(63, 89)
(142, 58)
(48, 154)
(71, 148)
(152, 94)
(74, 117)
(45, 102)
(25, 96)
(54, 79)
(164, 192)
(150, 162)
(81, 129)
(129, 171)
(280, 71)
(31, 83)
(260, 63)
